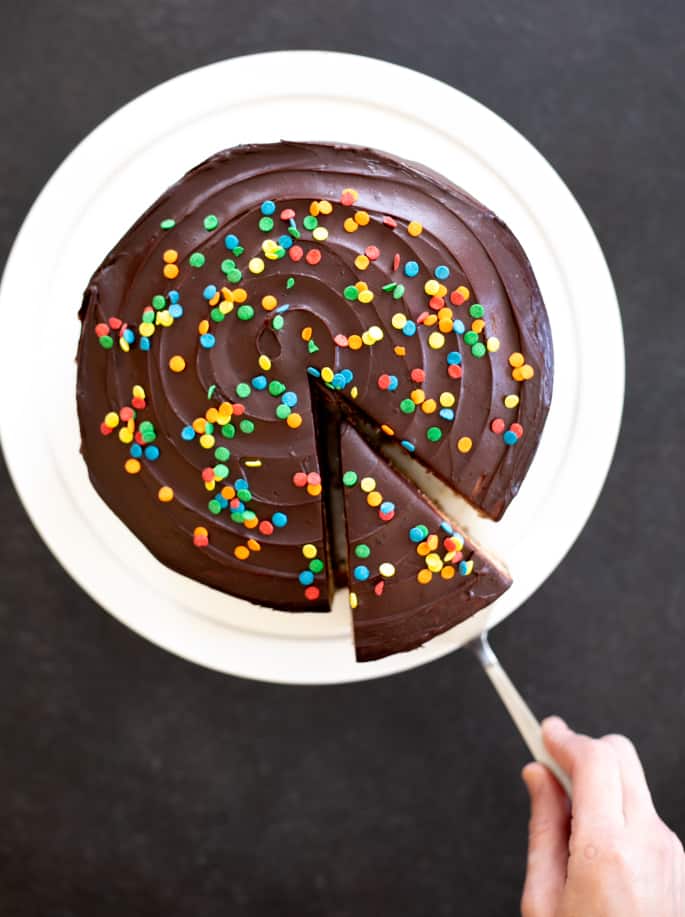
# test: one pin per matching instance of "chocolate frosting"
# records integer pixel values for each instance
(385, 214)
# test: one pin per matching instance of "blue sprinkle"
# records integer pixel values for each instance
(463, 568)
(306, 578)
(207, 341)
(510, 438)
(447, 413)
(313, 371)
(267, 208)
(409, 329)
(144, 343)
(283, 308)
(129, 336)
(176, 310)
(231, 241)
(188, 433)
(289, 398)
(361, 573)
(410, 447)
(135, 451)
(417, 534)
(454, 358)
(442, 272)
(209, 291)
(259, 382)
(338, 381)
(393, 384)
(446, 527)
(458, 326)
(222, 500)
(285, 241)
(348, 374)
(411, 269)
(240, 484)
(174, 296)
(241, 508)
(387, 506)
(151, 453)
(279, 520)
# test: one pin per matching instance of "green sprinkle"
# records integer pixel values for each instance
(434, 434)
(214, 507)
(244, 495)
(316, 565)
(470, 338)
(211, 390)
(167, 224)
(266, 224)
(210, 222)
(407, 406)
(222, 454)
(277, 322)
(148, 316)
(476, 310)
(282, 411)
(479, 350)
(197, 259)
(228, 430)
(245, 312)
(217, 315)
(227, 265)
(398, 292)
(295, 233)
(351, 293)
(209, 427)
(350, 478)
(310, 222)
(388, 287)
(242, 390)
(158, 301)
(276, 388)
(290, 283)
(221, 472)
(234, 275)
(362, 550)
(246, 426)
(312, 347)
(238, 251)
(106, 342)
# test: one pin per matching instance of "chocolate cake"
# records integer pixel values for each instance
(270, 273)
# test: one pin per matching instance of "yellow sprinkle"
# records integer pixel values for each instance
(432, 541)
(269, 302)
(112, 420)
(447, 572)
(165, 319)
(209, 485)
(264, 362)
(124, 344)
(367, 485)
(436, 340)
(353, 600)
(492, 344)
(165, 494)
(226, 307)
(431, 287)
(253, 463)
(354, 342)
(361, 262)
(327, 374)
(350, 225)
(376, 333)
(374, 498)
(354, 391)
(203, 326)
(309, 551)
(516, 359)
(418, 396)
(146, 329)
(424, 577)
(366, 296)
(367, 339)
(434, 563)
(511, 401)
(320, 234)
(325, 207)
(415, 228)
(527, 371)
(362, 218)
(294, 421)
(464, 292)
(465, 444)
(429, 406)
(477, 325)
(239, 295)
(207, 441)
(132, 466)
(400, 351)
(458, 540)
(170, 271)
(177, 364)
(398, 321)
(241, 551)
(125, 436)
(255, 265)
(386, 570)
(387, 430)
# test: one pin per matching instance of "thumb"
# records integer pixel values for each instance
(547, 843)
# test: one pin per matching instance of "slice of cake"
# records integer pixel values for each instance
(412, 575)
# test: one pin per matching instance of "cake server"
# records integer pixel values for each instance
(519, 711)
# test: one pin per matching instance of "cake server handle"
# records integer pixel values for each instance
(518, 709)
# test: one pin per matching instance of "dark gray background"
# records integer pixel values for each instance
(134, 783)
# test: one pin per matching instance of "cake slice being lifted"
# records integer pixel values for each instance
(412, 574)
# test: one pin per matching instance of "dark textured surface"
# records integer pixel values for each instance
(134, 783)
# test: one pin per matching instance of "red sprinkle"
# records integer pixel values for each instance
(384, 382)
(436, 302)
(105, 430)
(395, 262)
(101, 329)
(498, 426)
(200, 541)
(139, 438)
(207, 474)
(313, 256)
(295, 253)
(456, 298)
(418, 375)
(115, 323)
(449, 544)
(454, 371)
(288, 214)
(422, 318)
(458, 557)
(138, 404)
(379, 587)
(372, 252)
(347, 198)
(238, 409)
(312, 593)
(235, 503)
(386, 517)
(313, 478)
(390, 222)
(300, 479)
(517, 429)
(265, 527)
(126, 414)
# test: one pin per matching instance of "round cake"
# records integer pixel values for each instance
(279, 300)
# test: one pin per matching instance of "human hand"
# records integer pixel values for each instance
(608, 854)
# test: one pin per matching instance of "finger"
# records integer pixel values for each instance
(547, 843)
(594, 771)
(637, 799)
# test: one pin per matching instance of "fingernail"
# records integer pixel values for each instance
(554, 725)
(529, 775)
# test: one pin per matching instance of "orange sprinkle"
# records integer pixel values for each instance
(415, 228)
(464, 444)
(203, 327)
(241, 552)
(165, 494)
(422, 549)
(387, 430)
(355, 342)
(239, 295)
(424, 577)
(294, 420)
(269, 302)
(306, 333)
(374, 498)
(177, 364)
(253, 545)
(211, 414)
(447, 572)
(170, 256)
(132, 466)
(362, 218)
(170, 271)
(350, 225)
(516, 359)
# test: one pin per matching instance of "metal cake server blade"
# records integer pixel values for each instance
(526, 723)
